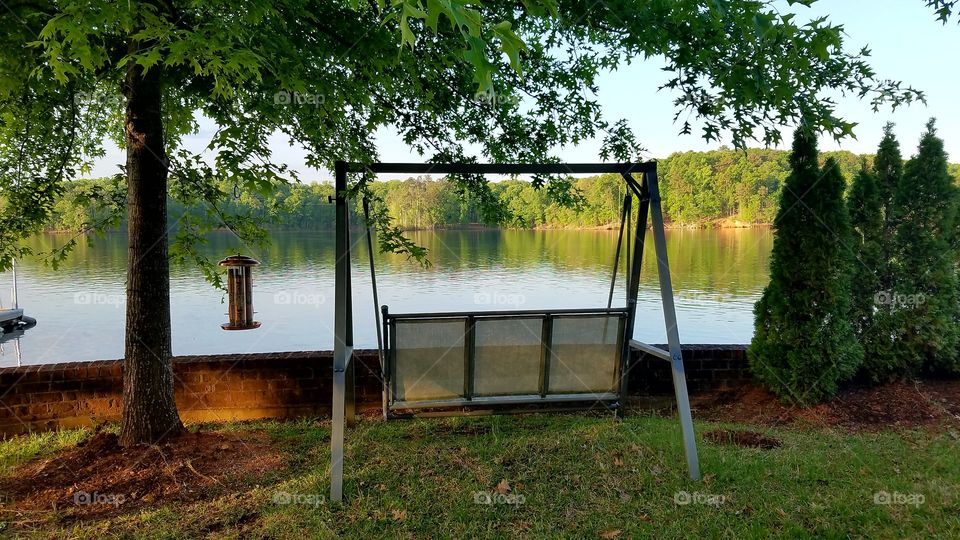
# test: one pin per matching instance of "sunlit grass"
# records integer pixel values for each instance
(16, 450)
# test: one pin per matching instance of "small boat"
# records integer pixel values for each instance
(14, 334)
(13, 319)
(10, 317)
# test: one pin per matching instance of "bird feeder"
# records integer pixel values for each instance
(240, 292)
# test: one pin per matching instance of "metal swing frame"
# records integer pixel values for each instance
(646, 190)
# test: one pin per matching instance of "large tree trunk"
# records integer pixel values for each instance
(149, 409)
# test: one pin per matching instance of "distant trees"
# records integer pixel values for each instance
(723, 184)
(743, 186)
(804, 344)
(527, 205)
(699, 189)
(954, 170)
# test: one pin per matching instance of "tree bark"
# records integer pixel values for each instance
(149, 410)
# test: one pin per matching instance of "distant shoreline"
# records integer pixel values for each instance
(717, 224)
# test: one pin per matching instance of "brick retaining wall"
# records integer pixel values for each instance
(708, 368)
(274, 385)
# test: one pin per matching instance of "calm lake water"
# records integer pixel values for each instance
(717, 277)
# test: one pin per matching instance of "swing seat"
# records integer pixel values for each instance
(436, 360)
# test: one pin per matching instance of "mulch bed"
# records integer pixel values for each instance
(894, 405)
(100, 478)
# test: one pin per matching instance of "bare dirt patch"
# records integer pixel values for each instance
(893, 405)
(101, 478)
(747, 439)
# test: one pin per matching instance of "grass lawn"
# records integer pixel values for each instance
(573, 476)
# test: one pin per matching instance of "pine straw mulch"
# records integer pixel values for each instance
(894, 405)
(99, 478)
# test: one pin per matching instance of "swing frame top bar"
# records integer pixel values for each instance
(503, 168)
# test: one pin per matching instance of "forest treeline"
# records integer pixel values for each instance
(716, 187)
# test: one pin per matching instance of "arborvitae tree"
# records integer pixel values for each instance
(888, 168)
(878, 334)
(925, 292)
(804, 343)
(866, 219)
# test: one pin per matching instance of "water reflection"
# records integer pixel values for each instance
(5, 341)
(717, 274)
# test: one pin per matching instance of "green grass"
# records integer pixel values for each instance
(579, 477)
(16, 450)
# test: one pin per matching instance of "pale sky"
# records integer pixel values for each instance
(907, 43)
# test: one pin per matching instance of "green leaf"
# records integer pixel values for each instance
(476, 55)
(409, 11)
(510, 43)
(150, 58)
(763, 22)
(435, 8)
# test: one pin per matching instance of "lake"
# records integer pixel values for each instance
(718, 275)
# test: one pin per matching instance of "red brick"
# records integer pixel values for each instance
(31, 388)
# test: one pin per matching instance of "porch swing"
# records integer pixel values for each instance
(452, 361)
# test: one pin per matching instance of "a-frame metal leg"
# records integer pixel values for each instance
(627, 208)
(673, 335)
(633, 287)
(342, 334)
(350, 408)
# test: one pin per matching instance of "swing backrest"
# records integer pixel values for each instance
(442, 359)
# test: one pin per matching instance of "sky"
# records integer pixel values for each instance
(907, 44)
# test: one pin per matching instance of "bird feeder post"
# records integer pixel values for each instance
(240, 292)
(14, 295)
